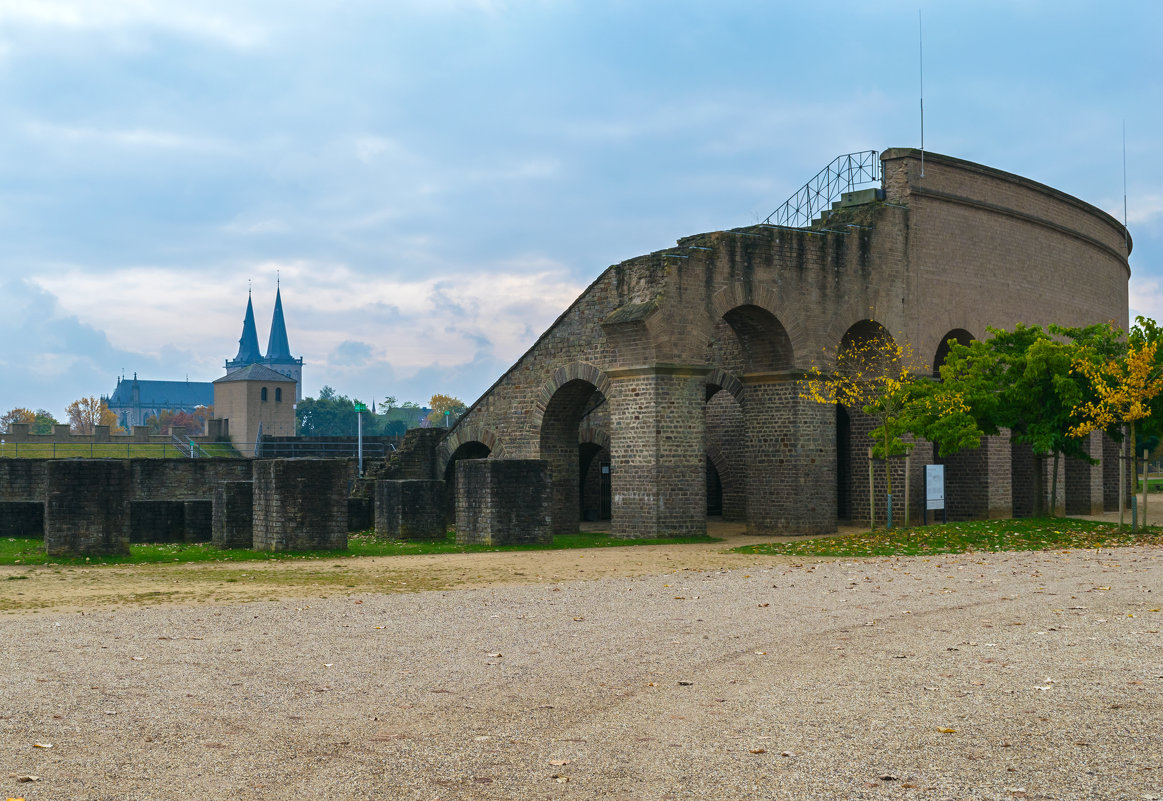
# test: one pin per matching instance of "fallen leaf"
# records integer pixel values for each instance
(787, 753)
(758, 751)
(762, 605)
(42, 745)
(560, 779)
(560, 761)
(947, 731)
(685, 683)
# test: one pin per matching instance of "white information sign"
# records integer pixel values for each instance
(934, 486)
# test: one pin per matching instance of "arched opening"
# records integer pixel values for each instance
(594, 470)
(869, 349)
(726, 446)
(958, 335)
(466, 450)
(765, 342)
(560, 427)
(714, 490)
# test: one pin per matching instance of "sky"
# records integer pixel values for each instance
(432, 182)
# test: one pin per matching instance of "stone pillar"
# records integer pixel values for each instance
(657, 451)
(300, 504)
(978, 481)
(233, 515)
(997, 467)
(503, 501)
(87, 507)
(410, 510)
(791, 458)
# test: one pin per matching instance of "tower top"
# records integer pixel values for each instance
(278, 349)
(248, 351)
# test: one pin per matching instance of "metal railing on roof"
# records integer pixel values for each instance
(844, 174)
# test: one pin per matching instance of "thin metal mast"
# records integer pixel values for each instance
(1126, 233)
(921, 64)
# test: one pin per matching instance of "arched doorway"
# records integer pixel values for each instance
(471, 449)
(958, 335)
(560, 424)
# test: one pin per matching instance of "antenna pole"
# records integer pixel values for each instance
(921, 71)
(1126, 233)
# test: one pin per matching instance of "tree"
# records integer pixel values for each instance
(445, 409)
(17, 415)
(879, 376)
(44, 422)
(87, 413)
(329, 415)
(1124, 387)
(1021, 380)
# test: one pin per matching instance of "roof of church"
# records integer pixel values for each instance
(255, 372)
(162, 394)
(248, 351)
(278, 349)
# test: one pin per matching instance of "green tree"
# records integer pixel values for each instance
(329, 415)
(446, 409)
(44, 422)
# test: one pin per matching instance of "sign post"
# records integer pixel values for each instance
(935, 491)
(360, 408)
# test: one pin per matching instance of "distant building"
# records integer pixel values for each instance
(278, 356)
(255, 400)
(135, 401)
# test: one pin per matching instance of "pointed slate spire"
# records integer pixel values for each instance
(278, 349)
(248, 351)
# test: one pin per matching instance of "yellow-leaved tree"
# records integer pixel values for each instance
(1123, 388)
(876, 374)
(86, 413)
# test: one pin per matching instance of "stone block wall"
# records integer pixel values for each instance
(23, 479)
(417, 457)
(233, 514)
(184, 479)
(410, 510)
(87, 507)
(198, 520)
(21, 519)
(503, 501)
(300, 504)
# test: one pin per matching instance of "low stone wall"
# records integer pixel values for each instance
(300, 504)
(410, 510)
(87, 507)
(233, 515)
(503, 501)
(23, 479)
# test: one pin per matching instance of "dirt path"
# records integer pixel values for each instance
(59, 588)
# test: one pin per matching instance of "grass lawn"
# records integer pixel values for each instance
(23, 551)
(108, 450)
(1023, 534)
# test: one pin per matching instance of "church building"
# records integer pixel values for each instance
(136, 401)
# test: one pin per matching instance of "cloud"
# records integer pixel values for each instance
(350, 353)
(198, 20)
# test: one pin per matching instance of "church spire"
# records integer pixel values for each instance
(278, 349)
(248, 351)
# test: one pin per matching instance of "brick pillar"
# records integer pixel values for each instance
(87, 507)
(503, 501)
(791, 458)
(657, 454)
(978, 481)
(410, 510)
(1084, 481)
(300, 504)
(233, 515)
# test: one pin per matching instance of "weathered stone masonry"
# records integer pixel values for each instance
(629, 370)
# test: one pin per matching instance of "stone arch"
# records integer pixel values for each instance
(574, 371)
(861, 333)
(719, 379)
(738, 294)
(564, 403)
(462, 435)
(766, 345)
(960, 335)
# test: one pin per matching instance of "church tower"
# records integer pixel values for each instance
(278, 356)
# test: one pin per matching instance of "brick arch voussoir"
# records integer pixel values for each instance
(574, 371)
(461, 436)
(720, 461)
(721, 378)
(737, 294)
(597, 436)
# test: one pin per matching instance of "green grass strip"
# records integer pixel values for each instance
(1023, 534)
(23, 551)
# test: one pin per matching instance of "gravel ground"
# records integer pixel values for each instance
(997, 676)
